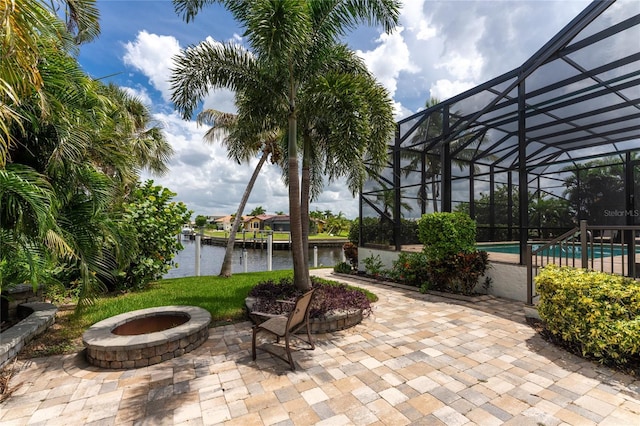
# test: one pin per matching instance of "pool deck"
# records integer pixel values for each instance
(419, 359)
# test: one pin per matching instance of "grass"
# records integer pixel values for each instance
(223, 297)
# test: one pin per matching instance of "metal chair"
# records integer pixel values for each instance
(286, 326)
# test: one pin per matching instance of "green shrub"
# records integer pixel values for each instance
(374, 231)
(411, 269)
(342, 268)
(373, 265)
(155, 220)
(597, 312)
(446, 234)
(453, 263)
(467, 270)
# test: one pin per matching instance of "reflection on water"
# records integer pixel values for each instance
(211, 259)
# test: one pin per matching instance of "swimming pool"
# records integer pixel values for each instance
(599, 251)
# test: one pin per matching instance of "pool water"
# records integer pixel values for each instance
(599, 251)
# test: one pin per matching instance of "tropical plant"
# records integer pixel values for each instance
(342, 268)
(294, 57)
(23, 26)
(373, 265)
(257, 211)
(596, 188)
(445, 234)
(550, 213)
(157, 219)
(27, 221)
(328, 298)
(337, 224)
(422, 152)
(74, 151)
(593, 311)
(411, 269)
(201, 221)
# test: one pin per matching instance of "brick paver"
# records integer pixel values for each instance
(419, 359)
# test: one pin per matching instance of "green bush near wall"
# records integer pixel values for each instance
(598, 312)
(447, 234)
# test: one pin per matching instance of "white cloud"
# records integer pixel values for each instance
(221, 100)
(412, 15)
(140, 93)
(389, 59)
(445, 89)
(153, 54)
(468, 67)
(209, 183)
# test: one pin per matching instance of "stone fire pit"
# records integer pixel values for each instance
(146, 336)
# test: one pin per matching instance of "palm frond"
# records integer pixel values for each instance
(207, 66)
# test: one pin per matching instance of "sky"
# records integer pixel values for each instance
(439, 49)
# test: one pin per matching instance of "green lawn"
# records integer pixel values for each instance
(222, 297)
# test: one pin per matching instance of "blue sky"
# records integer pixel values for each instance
(440, 49)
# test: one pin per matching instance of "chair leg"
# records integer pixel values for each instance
(288, 349)
(313, 346)
(253, 343)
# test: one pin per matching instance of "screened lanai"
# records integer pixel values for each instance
(530, 153)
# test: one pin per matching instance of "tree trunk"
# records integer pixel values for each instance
(434, 193)
(304, 195)
(300, 266)
(226, 269)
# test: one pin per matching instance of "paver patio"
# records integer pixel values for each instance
(419, 359)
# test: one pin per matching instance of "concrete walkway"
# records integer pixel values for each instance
(419, 359)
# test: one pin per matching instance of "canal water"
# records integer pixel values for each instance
(211, 259)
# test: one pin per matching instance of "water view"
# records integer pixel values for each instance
(211, 259)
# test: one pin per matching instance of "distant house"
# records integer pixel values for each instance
(278, 223)
(256, 223)
(223, 223)
(214, 218)
(320, 224)
(252, 223)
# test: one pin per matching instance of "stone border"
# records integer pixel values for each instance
(454, 296)
(108, 350)
(42, 316)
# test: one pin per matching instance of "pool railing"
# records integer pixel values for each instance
(609, 249)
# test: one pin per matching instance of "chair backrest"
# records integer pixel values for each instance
(300, 312)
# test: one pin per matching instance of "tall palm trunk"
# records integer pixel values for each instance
(304, 195)
(300, 266)
(226, 269)
(434, 193)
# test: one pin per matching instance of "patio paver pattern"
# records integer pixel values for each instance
(419, 359)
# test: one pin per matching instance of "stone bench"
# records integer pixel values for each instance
(12, 340)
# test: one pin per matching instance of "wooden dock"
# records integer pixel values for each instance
(261, 243)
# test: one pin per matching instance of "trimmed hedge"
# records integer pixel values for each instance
(596, 311)
(447, 234)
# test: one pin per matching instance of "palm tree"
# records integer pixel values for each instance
(429, 129)
(240, 147)
(23, 25)
(346, 122)
(85, 152)
(257, 211)
(290, 40)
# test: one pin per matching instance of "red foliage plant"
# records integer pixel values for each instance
(329, 297)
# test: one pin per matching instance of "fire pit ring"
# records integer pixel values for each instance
(146, 336)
